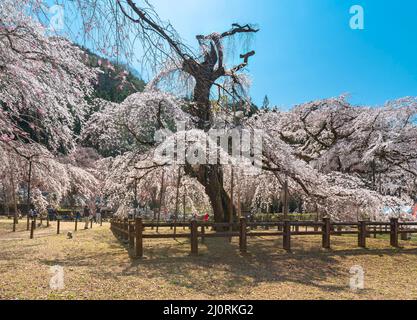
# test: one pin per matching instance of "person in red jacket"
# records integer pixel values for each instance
(206, 217)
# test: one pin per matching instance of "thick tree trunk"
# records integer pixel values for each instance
(210, 176)
(202, 100)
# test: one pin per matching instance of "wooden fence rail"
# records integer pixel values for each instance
(132, 231)
(32, 225)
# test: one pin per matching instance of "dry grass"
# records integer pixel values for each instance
(97, 266)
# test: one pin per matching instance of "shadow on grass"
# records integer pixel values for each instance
(219, 267)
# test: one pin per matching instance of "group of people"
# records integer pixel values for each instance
(89, 215)
(86, 214)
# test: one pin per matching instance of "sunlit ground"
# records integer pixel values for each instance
(97, 266)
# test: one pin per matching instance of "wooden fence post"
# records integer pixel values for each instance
(131, 236)
(326, 233)
(91, 224)
(27, 223)
(47, 220)
(394, 232)
(139, 238)
(362, 234)
(287, 235)
(32, 228)
(242, 236)
(14, 224)
(58, 226)
(194, 238)
(76, 224)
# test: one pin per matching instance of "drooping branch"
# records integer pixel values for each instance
(148, 24)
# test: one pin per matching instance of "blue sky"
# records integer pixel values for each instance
(306, 49)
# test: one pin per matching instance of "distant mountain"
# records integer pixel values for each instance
(117, 81)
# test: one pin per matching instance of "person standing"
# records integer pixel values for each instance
(86, 216)
(98, 215)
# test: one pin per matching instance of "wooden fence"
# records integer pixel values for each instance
(132, 231)
(31, 224)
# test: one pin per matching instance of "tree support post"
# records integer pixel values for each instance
(194, 238)
(203, 232)
(243, 236)
(126, 228)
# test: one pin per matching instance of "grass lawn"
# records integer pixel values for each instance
(97, 266)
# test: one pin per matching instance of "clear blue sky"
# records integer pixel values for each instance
(306, 49)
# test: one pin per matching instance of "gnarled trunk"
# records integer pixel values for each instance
(211, 177)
